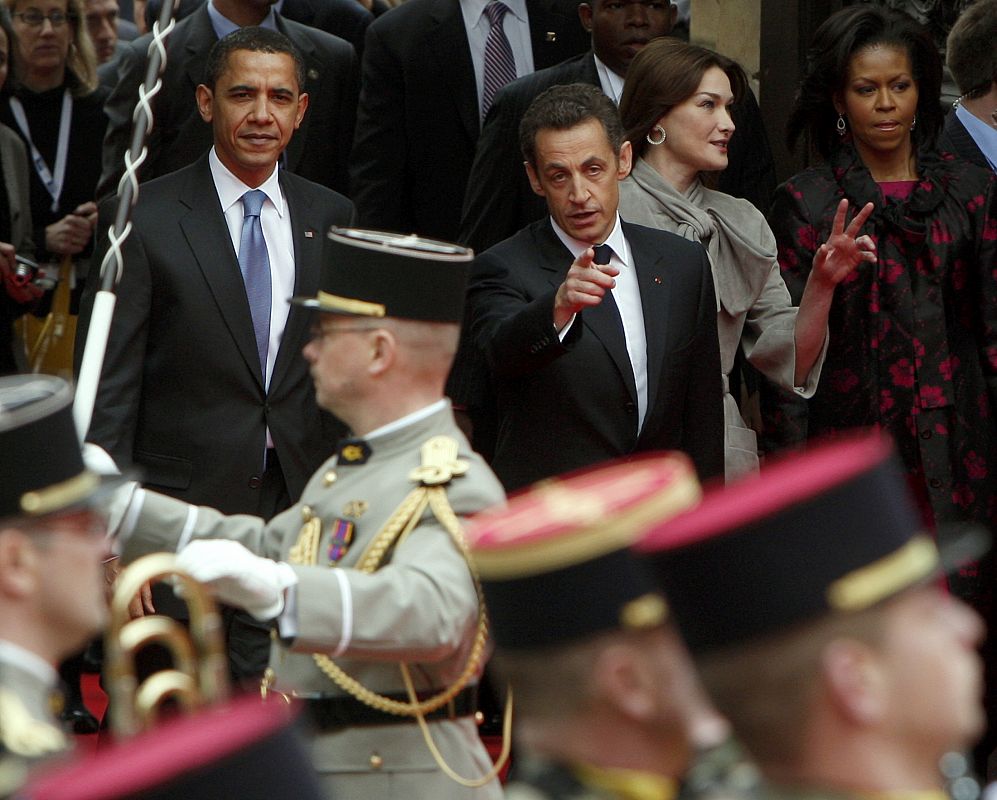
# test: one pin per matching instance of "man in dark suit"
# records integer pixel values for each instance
(600, 336)
(421, 103)
(346, 19)
(970, 54)
(208, 408)
(320, 148)
(499, 200)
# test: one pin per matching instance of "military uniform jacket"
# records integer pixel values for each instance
(29, 730)
(420, 608)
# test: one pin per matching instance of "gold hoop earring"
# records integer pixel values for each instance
(661, 136)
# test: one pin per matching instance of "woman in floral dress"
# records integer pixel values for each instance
(913, 338)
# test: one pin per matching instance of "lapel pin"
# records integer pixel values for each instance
(309, 234)
(657, 279)
(551, 36)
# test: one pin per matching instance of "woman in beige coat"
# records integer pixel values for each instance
(675, 109)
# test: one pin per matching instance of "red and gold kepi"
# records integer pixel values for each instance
(378, 274)
(833, 530)
(555, 563)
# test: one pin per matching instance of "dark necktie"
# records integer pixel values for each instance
(500, 66)
(603, 253)
(254, 262)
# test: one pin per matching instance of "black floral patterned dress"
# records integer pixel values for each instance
(913, 338)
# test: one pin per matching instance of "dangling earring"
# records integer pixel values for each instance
(913, 125)
(840, 125)
(661, 135)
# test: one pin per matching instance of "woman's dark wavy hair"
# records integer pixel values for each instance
(836, 41)
(665, 73)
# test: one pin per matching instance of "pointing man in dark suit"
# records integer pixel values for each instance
(600, 336)
(427, 82)
(499, 200)
(318, 151)
(203, 385)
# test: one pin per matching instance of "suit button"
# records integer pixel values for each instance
(630, 407)
(925, 434)
(935, 483)
(255, 482)
(266, 408)
(376, 762)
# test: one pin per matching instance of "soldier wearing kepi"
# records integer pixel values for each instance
(606, 699)
(52, 588)
(810, 601)
(367, 574)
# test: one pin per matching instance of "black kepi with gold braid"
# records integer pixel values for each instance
(554, 562)
(831, 531)
(41, 469)
(372, 274)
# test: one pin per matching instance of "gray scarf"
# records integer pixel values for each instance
(735, 234)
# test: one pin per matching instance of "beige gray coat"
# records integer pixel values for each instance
(754, 309)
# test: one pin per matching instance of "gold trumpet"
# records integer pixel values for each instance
(200, 671)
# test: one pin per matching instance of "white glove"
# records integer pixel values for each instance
(238, 577)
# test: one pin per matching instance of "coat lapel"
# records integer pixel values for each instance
(655, 296)
(199, 42)
(447, 41)
(602, 320)
(211, 245)
(313, 86)
(305, 217)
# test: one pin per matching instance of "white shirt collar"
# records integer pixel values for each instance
(984, 135)
(473, 11)
(408, 419)
(616, 240)
(29, 662)
(230, 189)
(223, 26)
(610, 83)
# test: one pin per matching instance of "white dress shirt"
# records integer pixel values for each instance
(610, 83)
(516, 24)
(626, 294)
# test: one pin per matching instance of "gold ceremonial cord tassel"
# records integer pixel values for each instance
(439, 466)
(200, 673)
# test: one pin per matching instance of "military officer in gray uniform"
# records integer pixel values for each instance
(810, 599)
(378, 615)
(608, 705)
(52, 549)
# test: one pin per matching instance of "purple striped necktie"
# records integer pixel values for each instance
(500, 66)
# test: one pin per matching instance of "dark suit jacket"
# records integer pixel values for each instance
(499, 200)
(319, 148)
(956, 139)
(181, 393)
(346, 19)
(563, 406)
(418, 120)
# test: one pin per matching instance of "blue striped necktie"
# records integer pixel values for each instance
(254, 262)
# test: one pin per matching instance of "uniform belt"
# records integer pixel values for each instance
(332, 713)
